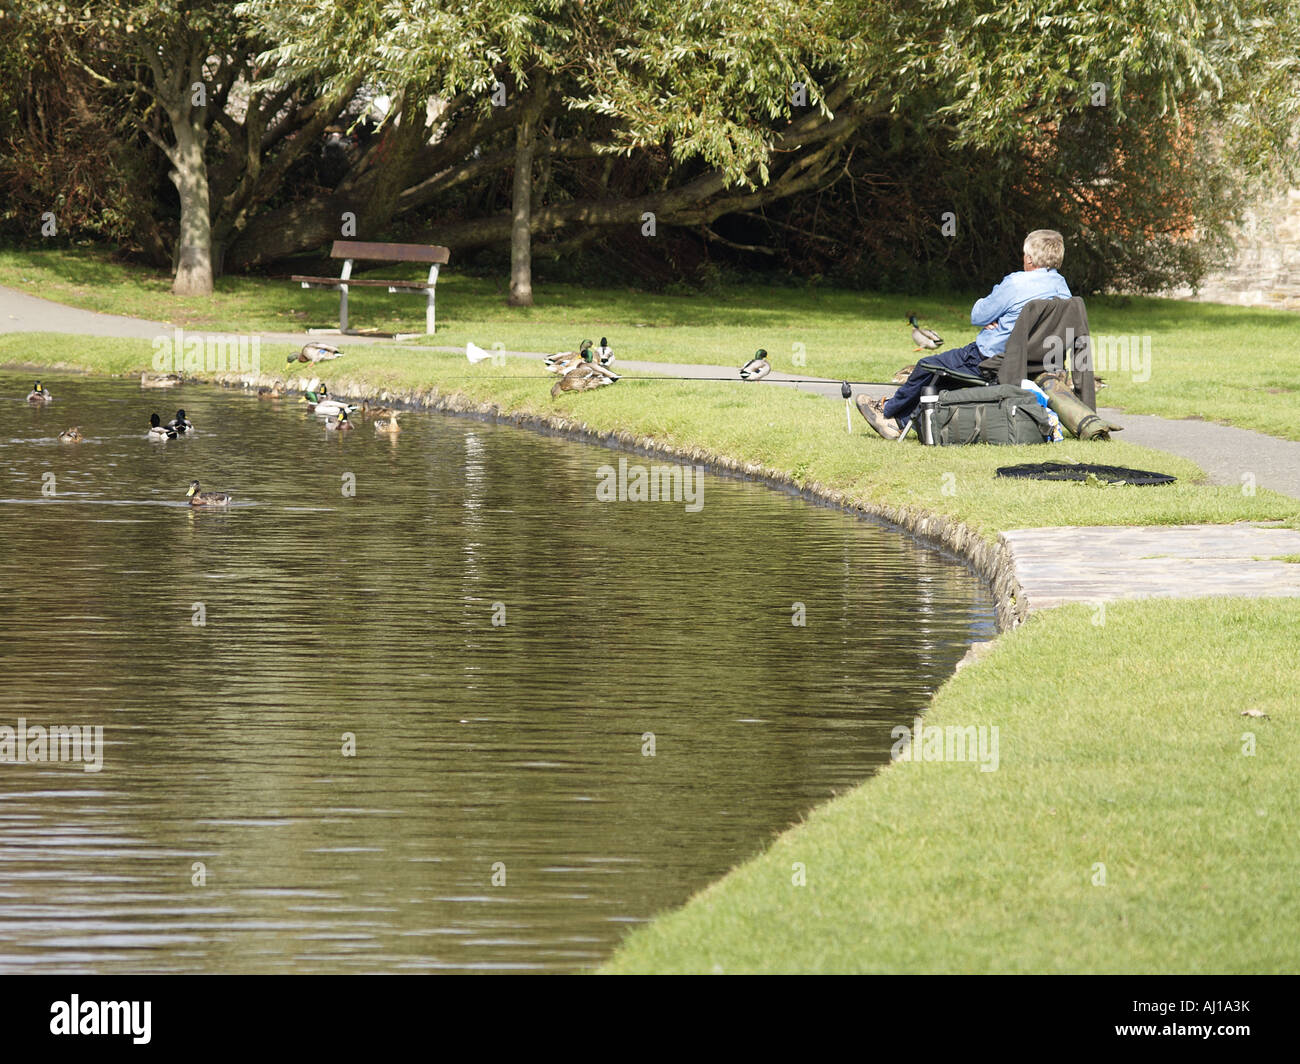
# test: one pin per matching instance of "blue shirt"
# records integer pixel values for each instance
(1004, 303)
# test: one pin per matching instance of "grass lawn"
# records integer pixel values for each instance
(777, 429)
(1232, 364)
(1135, 763)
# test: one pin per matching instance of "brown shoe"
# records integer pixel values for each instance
(873, 411)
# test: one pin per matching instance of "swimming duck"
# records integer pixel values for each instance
(159, 380)
(316, 352)
(72, 435)
(338, 421)
(583, 378)
(159, 431)
(604, 353)
(276, 391)
(39, 394)
(566, 361)
(181, 423)
(323, 404)
(925, 339)
(389, 427)
(756, 368)
(206, 498)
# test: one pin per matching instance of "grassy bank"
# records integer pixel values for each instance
(781, 430)
(1230, 364)
(1132, 760)
(1119, 745)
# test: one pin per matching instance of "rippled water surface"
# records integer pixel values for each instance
(516, 750)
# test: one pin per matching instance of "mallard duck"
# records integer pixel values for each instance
(276, 391)
(159, 431)
(566, 361)
(389, 427)
(72, 435)
(206, 498)
(901, 376)
(925, 339)
(159, 380)
(604, 353)
(322, 404)
(316, 352)
(583, 378)
(339, 421)
(181, 423)
(39, 394)
(756, 368)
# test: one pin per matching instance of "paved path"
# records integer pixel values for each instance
(1182, 561)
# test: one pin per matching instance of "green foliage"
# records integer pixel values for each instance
(912, 108)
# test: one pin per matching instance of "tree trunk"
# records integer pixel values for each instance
(194, 242)
(521, 222)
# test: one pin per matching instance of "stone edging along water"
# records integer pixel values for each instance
(992, 562)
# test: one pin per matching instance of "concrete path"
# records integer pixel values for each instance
(1182, 561)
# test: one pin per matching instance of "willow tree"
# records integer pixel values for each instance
(726, 90)
(747, 102)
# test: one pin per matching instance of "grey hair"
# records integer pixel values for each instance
(1045, 248)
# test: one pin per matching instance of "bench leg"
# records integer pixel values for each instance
(429, 317)
(343, 295)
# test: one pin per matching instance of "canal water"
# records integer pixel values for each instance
(414, 704)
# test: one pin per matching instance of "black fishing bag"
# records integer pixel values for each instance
(998, 413)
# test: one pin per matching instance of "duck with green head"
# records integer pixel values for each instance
(181, 423)
(159, 431)
(339, 422)
(39, 394)
(567, 361)
(925, 339)
(756, 368)
(322, 404)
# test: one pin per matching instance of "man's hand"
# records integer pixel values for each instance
(991, 325)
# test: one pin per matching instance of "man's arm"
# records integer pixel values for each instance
(986, 311)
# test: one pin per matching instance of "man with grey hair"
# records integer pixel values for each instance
(995, 314)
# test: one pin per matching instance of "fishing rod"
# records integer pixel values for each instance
(734, 380)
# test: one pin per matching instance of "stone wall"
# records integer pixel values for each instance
(1267, 270)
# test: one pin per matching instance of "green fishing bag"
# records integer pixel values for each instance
(998, 413)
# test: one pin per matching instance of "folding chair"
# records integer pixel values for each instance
(953, 378)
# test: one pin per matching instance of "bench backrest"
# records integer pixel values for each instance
(360, 249)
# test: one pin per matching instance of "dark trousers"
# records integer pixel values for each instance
(902, 404)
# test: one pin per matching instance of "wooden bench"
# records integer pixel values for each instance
(351, 250)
